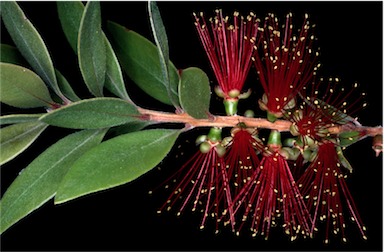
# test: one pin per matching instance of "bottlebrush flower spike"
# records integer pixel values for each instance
(287, 64)
(272, 193)
(324, 105)
(203, 182)
(241, 157)
(229, 48)
(324, 186)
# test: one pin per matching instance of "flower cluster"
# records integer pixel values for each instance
(247, 182)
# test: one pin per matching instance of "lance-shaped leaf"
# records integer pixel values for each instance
(91, 49)
(128, 128)
(161, 41)
(350, 137)
(140, 60)
(10, 54)
(39, 181)
(29, 43)
(22, 88)
(70, 13)
(19, 118)
(344, 162)
(195, 93)
(114, 81)
(14, 139)
(66, 88)
(93, 113)
(116, 162)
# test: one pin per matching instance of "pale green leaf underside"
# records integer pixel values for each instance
(14, 139)
(19, 118)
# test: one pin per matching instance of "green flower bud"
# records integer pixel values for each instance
(219, 92)
(274, 139)
(307, 154)
(226, 141)
(377, 144)
(294, 129)
(290, 142)
(230, 106)
(205, 147)
(201, 139)
(290, 105)
(246, 94)
(234, 93)
(249, 113)
(220, 150)
(284, 152)
(214, 134)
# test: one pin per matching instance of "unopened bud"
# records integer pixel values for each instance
(234, 93)
(249, 113)
(220, 150)
(289, 142)
(294, 129)
(284, 152)
(205, 147)
(246, 94)
(201, 139)
(214, 134)
(377, 144)
(219, 92)
(290, 105)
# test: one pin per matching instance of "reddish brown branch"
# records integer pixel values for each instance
(231, 121)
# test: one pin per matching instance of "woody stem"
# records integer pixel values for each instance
(231, 121)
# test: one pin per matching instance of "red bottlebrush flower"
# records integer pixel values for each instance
(324, 185)
(203, 185)
(271, 193)
(324, 106)
(286, 65)
(241, 158)
(229, 48)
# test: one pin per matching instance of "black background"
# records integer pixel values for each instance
(124, 218)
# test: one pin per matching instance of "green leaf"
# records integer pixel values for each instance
(70, 13)
(195, 92)
(114, 81)
(10, 54)
(14, 139)
(161, 41)
(350, 137)
(39, 181)
(92, 114)
(128, 128)
(116, 162)
(91, 49)
(29, 43)
(19, 118)
(140, 60)
(66, 87)
(22, 88)
(344, 162)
